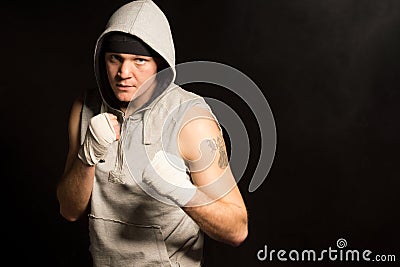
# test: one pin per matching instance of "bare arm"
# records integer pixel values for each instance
(75, 186)
(218, 208)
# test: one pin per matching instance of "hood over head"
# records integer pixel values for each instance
(147, 24)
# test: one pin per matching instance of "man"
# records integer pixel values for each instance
(147, 159)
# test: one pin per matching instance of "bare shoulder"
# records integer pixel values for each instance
(199, 127)
(75, 115)
(74, 130)
(202, 145)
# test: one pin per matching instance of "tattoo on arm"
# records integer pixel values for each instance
(212, 145)
(223, 157)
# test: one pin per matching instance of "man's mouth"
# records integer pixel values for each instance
(124, 86)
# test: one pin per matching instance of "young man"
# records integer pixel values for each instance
(147, 159)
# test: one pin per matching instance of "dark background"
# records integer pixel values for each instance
(328, 68)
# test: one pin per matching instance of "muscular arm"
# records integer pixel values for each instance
(75, 186)
(218, 207)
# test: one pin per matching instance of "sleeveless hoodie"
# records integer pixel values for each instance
(128, 224)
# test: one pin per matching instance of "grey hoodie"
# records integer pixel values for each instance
(128, 225)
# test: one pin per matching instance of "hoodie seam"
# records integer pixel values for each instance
(138, 14)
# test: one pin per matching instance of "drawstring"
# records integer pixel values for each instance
(146, 125)
(117, 175)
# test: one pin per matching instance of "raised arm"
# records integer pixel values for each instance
(75, 186)
(218, 206)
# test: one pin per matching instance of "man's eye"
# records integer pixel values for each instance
(140, 61)
(114, 58)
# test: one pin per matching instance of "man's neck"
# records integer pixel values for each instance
(142, 96)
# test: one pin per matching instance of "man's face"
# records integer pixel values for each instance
(127, 72)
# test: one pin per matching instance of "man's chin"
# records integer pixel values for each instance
(124, 97)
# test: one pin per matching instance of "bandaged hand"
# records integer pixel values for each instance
(166, 174)
(103, 130)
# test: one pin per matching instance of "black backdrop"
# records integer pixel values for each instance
(329, 70)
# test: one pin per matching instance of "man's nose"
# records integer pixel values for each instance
(125, 70)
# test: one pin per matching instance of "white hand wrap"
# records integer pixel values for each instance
(99, 136)
(166, 174)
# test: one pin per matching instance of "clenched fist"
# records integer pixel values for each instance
(103, 130)
(167, 176)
